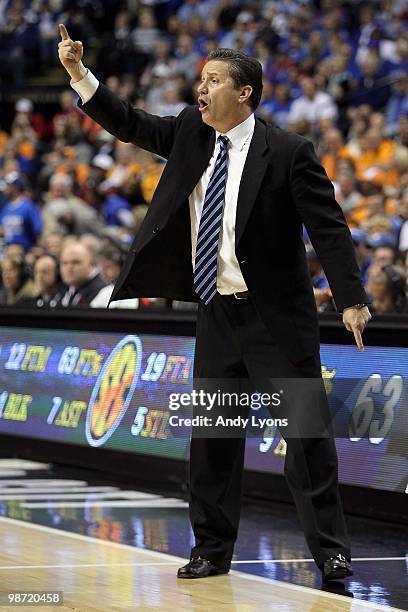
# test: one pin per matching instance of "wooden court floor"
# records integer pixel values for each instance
(99, 576)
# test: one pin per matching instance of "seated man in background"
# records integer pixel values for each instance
(48, 282)
(78, 273)
(110, 261)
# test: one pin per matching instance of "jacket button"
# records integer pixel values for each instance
(243, 261)
(155, 230)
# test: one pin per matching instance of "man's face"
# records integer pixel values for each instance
(59, 189)
(333, 141)
(383, 256)
(76, 265)
(54, 244)
(346, 183)
(308, 88)
(375, 204)
(45, 274)
(218, 98)
(109, 270)
(10, 275)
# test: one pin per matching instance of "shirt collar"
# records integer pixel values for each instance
(239, 134)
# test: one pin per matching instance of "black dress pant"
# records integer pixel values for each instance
(233, 343)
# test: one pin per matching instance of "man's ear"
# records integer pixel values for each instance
(245, 93)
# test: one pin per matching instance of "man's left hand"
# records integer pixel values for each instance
(355, 319)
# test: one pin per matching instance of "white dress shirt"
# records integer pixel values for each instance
(321, 106)
(229, 276)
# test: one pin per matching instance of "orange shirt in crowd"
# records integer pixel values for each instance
(3, 141)
(149, 175)
(329, 161)
(371, 158)
(359, 214)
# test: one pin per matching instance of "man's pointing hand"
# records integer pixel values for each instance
(70, 53)
(355, 319)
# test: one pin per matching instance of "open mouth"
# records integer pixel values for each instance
(202, 104)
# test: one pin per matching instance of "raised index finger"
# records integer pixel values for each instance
(63, 32)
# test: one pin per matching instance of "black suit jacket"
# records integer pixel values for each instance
(282, 185)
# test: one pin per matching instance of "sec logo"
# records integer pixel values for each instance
(113, 390)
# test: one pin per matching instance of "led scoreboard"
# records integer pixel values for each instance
(111, 390)
(95, 389)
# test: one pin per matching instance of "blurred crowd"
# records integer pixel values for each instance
(72, 197)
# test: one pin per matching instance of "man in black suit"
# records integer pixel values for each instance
(225, 228)
(79, 276)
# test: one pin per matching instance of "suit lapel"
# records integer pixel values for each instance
(198, 154)
(254, 171)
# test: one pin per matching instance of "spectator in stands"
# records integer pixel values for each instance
(14, 250)
(403, 237)
(320, 284)
(18, 41)
(78, 274)
(319, 280)
(93, 244)
(53, 243)
(116, 210)
(397, 104)
(363, 253)
(382, 254)
(402, 135)
(68, 106)
(276, 106)
(27, 118)
(20, 218)
(376, 153)
(333, 145)
(312, 105)
(110, 261)
(379, 228)
(359, 122)
(388, 290)
(65, 212)
(347, 194)
(33, 254)
(48, 282)
(186, 57)
(373, 85)
(146, 35)
(47, 28)
(171, 103)
(374, 204)
(17, 284)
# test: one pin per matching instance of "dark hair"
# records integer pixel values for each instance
(113, 254)
(58, 279)
(243, 70)
(24, 271)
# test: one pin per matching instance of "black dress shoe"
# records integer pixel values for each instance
(336, 568)
(201, 568)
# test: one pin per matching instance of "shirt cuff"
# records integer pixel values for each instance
(86, 87)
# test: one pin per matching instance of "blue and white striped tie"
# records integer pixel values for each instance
(205, 265)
